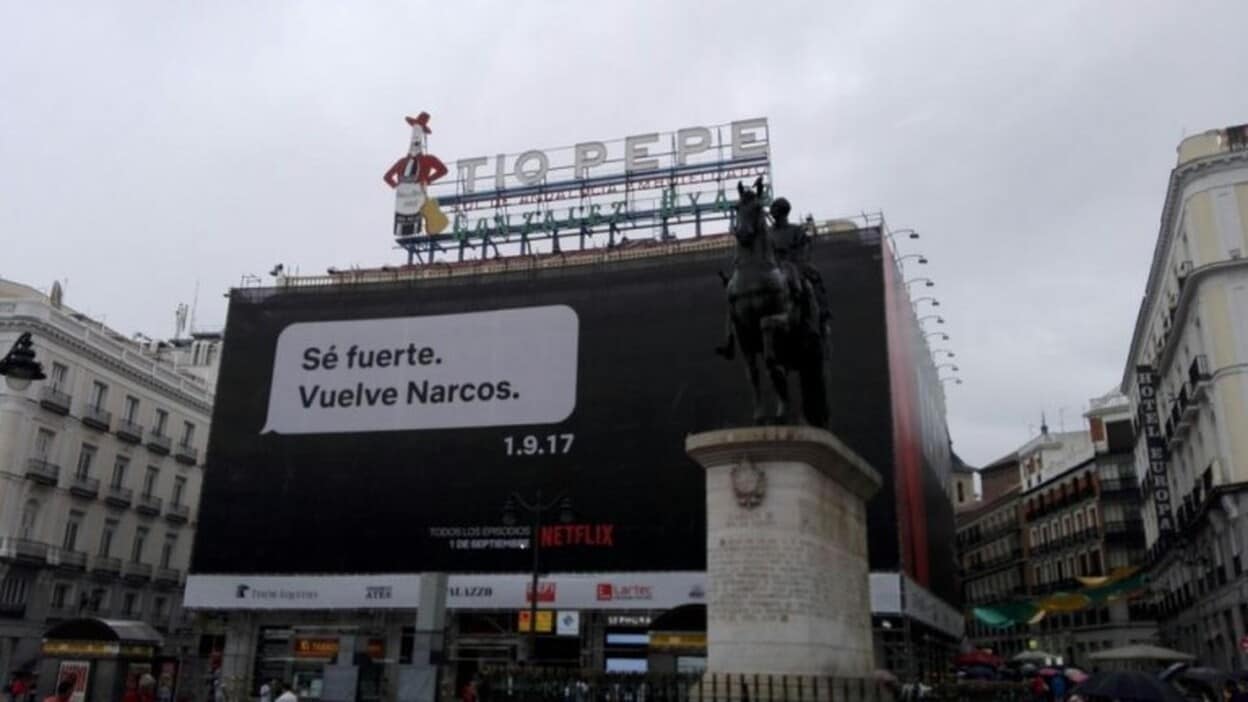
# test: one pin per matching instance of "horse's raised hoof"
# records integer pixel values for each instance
(729, 352)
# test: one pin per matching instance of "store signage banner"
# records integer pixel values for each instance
(300, 592)
(480, 369)
(564, 592)
(567, 592)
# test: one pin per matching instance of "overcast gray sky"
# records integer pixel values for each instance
(147, 147)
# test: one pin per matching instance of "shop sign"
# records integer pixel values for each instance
(91, 649)
(545, 621)
(630, 620)
(610, 592)
(677, 639)
(545, 592)
(316, 647)
(568, 623)
(136, 651)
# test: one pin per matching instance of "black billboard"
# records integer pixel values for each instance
(382, 428)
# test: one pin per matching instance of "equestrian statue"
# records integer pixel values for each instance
(777, 310)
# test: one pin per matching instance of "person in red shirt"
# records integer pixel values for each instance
(18, 688)
(142, 689)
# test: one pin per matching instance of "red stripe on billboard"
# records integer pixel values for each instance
(907, 451)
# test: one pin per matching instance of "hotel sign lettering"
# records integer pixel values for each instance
(1155, 446)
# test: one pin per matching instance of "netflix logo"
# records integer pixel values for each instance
(557, 535)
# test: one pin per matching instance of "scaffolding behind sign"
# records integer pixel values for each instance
(589, 195)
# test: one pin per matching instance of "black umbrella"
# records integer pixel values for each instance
(981, 672)
(1128, 687)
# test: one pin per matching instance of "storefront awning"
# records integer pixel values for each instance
(105, 638)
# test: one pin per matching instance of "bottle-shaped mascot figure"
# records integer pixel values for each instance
(410, 177)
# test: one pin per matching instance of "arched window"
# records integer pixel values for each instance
(30, 520)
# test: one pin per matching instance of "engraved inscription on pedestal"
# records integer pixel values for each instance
(787, 577)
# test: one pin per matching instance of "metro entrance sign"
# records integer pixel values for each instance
(588, 194)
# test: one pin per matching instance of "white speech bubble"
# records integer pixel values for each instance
(479, 369)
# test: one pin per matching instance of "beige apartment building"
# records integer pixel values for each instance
(100, 474)
(1187, 376)
(1064, 506)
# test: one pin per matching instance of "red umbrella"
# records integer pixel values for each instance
(971, 658)
(1048, 672)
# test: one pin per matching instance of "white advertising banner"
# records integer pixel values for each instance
(480, 369)
(300, 592)
(567, 592)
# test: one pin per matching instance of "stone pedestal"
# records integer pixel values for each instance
(787, 570)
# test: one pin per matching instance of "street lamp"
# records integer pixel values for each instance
(943, 336)
(956, 380)
(910, 232)
(921, 257)
(947, 365)
(535, 510)
(947, 352)
(19, 366)
(928, 298)
(938, 318)
(927, 282)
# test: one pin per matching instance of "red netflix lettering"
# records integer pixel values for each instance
(559, 535)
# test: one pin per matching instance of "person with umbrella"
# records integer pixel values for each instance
(1039, 689)
(1057, 684)
(1127, 686)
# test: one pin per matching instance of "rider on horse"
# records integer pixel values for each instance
(792, 244)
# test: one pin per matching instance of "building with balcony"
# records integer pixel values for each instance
(100, 476)
(991, 561)
(1071, 511)
(1187, 376)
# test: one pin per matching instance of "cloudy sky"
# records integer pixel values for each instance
(150, 148)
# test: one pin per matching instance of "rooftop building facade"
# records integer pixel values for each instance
(100, 471)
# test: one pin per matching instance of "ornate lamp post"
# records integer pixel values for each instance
(19, 366)
(535, 509)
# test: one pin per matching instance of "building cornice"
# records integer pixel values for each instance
(1180, 177)
(49, 331)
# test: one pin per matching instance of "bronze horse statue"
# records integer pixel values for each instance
(773, 318)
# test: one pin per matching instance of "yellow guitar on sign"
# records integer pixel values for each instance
(435, 221)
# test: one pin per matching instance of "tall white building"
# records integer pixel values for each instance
(1187, 376)
(100, 473)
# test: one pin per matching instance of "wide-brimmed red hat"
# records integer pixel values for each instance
(422, 119)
